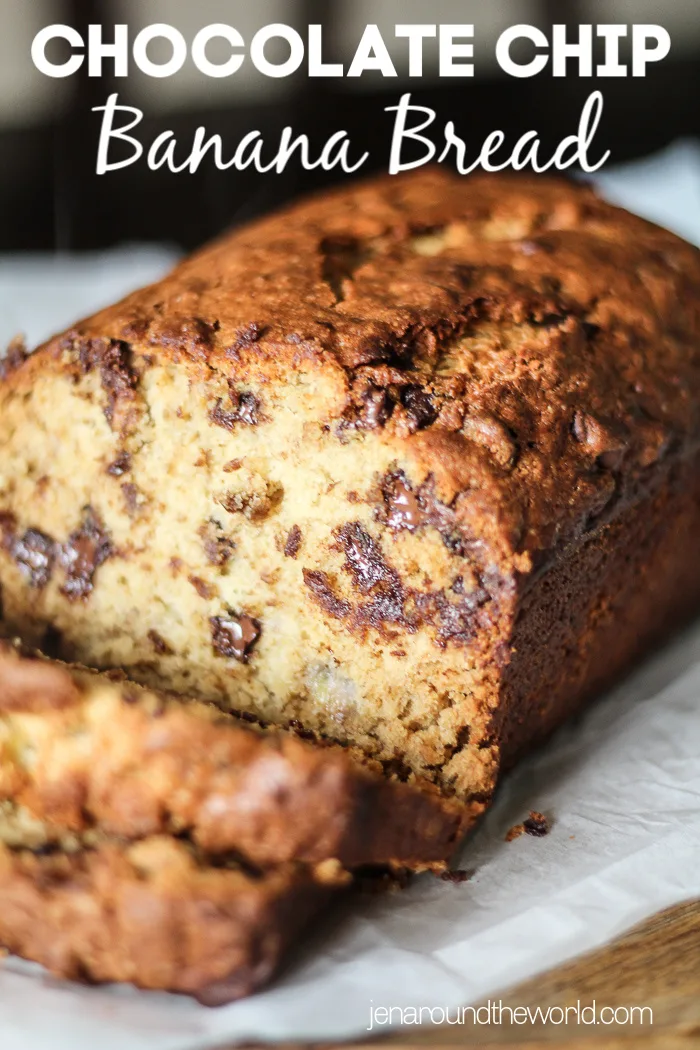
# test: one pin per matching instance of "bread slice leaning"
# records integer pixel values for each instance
(81, 750)
(155, 913)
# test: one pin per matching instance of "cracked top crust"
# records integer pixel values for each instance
(532, 349)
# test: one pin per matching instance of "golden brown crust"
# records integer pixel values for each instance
(154, 915)
(577, 376)
(79, 750)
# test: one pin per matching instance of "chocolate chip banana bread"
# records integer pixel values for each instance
(82, 753)
(154, 913)
(413, 466)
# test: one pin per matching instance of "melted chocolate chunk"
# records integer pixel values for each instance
(321, 588)
(235, 635)
(372, 412)
(364, 559)
(248, 409)
(419, 406)
(291, 547)
(84, 551)
(34, 554)
(402, 508)
(246, 335)
(120, 466)
(373, 576)
(113, 358)
(244, 408)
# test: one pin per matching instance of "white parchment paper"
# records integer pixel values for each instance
(622, 784)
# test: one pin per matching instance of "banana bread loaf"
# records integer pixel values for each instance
(81, 751)
(413, 465)
(154, 913)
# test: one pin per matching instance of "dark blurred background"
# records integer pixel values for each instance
(50, 197)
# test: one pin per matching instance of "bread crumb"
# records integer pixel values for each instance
(537, 825)
(457, 875)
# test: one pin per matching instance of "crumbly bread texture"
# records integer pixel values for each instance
(412, 465)
(88, 754)
(155, 914)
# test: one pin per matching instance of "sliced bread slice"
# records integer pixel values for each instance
(80, 749)
(156, 913)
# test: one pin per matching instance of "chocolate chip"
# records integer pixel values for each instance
(218, 547)
(402, 508)
(159, 644)
(235, 635)
(420, 407)
(320, 586)
(291, 547)
(364, 559)
(113, 358)
(244, 408)
(246, 335)
(121, 465)
(371, 574)
(248, 409)
(34, 554)
(376, 410)
(85, 550)
(537, 825)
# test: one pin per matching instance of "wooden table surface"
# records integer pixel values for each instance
(657, 964)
